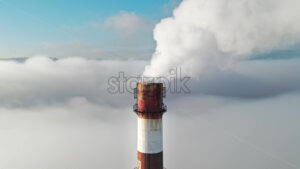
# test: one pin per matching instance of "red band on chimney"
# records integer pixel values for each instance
(150, 161)
(149, 97)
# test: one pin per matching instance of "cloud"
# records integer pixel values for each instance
(129, 30)
(251, 79)
(232, 133)
(79, 134)
(128, 24)
(205, 34)
(44, 81)
(95, 51)
(40, 80)
(58, 114)
(122, 36)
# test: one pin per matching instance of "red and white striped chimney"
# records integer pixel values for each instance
(150, 109)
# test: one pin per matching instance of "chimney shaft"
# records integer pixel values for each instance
(150, 109)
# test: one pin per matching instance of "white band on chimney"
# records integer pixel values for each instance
(150, 139)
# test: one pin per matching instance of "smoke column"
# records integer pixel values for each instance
(205, 34)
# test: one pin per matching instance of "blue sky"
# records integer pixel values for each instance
(26, 25)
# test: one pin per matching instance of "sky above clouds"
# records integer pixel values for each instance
(29, 27)
(57, 57)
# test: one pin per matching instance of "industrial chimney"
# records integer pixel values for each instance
(149, 109)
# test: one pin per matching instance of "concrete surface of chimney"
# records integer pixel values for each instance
(150, 109)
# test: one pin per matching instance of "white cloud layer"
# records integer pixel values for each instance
(214, 33)
(222, 133)
(58, 114)
(40, 80)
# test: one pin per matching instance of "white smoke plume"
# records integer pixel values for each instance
(215, 33)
